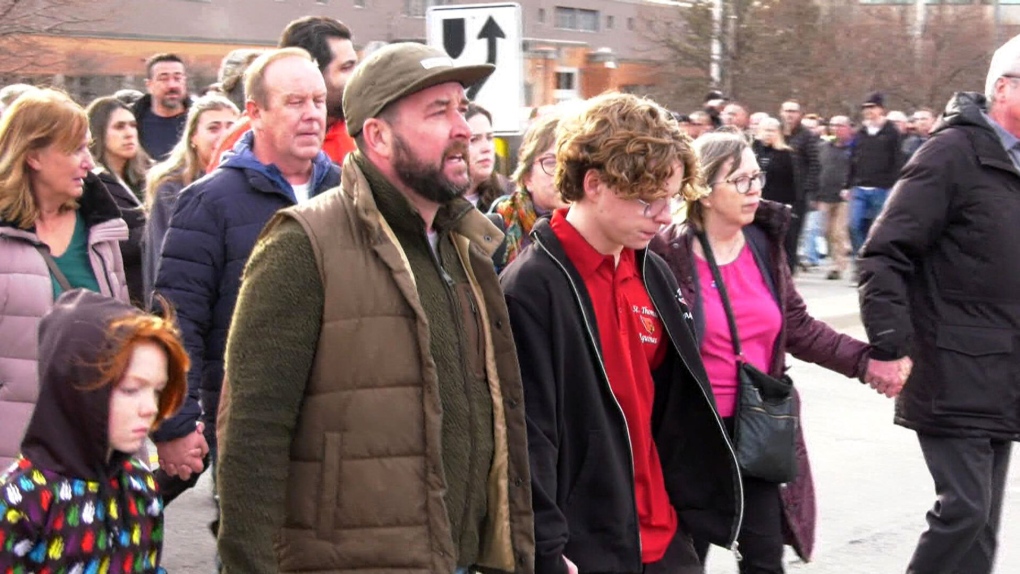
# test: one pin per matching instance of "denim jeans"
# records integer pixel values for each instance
(812, 235)
(865, 205)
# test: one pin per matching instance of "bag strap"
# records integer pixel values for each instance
(54, 269)
(721, 287)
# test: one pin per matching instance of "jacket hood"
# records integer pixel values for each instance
(242, 156)
(964, 109)
(68, 433)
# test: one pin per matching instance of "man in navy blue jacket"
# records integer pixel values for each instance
(212, 231)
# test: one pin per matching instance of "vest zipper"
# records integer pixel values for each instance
(735, 546)
(605, 379)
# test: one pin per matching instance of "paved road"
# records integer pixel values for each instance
(872, 485)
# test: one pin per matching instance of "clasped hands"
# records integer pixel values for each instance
(183, 456)
(888, 377)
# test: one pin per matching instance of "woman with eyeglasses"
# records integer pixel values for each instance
(745, 234)
(536, 195)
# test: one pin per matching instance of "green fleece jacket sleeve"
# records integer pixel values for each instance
(269, 357)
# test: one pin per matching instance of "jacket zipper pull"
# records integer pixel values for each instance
(735, 549)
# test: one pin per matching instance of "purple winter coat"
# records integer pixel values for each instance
(801, 335)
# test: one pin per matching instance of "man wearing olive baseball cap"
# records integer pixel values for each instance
(371, 367)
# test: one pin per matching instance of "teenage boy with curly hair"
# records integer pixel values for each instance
(629, 457)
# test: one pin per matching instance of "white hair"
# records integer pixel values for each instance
(1004, 61)
(896, 116)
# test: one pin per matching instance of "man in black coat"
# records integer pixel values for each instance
(629, 457)
(875, 161)
(805, 146)
(940, 283)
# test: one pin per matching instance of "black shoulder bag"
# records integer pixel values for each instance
(766, 419)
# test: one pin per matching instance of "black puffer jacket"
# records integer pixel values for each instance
(940, 280)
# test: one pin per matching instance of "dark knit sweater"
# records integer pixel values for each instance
(456, 344)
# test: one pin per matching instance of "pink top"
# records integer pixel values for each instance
(758, 323)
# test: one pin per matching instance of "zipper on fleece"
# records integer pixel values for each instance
(605, 378)
(735, 546)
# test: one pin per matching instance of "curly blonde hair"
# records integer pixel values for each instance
(632, 142)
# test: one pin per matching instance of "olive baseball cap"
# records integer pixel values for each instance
(398, 70)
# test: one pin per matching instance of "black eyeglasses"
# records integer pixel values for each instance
(548, 164)
(743, 183)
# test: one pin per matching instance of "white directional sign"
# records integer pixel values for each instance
(485, 33)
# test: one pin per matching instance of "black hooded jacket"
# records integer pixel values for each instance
(68, 503)
(940, 280)
(581, 464)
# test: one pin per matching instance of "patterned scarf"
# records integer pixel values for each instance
(518, 211)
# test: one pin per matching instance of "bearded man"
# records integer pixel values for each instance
(373, 412)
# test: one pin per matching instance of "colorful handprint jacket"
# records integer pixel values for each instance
(59, 525)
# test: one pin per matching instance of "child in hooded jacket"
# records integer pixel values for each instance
(77, 499)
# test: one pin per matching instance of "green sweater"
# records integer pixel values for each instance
(455, 342)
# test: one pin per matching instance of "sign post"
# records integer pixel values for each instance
(479, 34)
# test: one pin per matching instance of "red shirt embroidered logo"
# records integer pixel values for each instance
(649, 325)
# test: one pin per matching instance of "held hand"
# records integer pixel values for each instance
(888, 377)
(571, 567)
(845, 194)
(183, 456)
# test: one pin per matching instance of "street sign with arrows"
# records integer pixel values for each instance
(485, 33)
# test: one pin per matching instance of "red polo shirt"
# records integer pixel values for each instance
(633, 344)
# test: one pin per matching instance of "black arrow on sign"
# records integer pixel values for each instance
(490, 31)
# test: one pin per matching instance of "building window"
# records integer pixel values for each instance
(359, 3)
(630, 24)
(541, 15)
(610, 22)
(577, 19)
(566, 84)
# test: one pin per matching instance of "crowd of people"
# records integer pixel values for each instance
(314, 281)
(834, 173)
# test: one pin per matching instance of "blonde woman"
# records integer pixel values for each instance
(59, 229)
(782, 179)
(209, 120)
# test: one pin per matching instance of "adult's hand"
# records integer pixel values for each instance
(845, 194)
(183, 456)
(888, 377)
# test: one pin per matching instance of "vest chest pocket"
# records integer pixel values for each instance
(329, 487)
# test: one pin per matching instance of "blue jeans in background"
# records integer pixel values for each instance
(813, 233)
(865, 205)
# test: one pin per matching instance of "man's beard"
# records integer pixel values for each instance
(172, 104)
(335, 109)
(429, 181)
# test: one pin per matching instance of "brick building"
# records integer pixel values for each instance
(573, 48)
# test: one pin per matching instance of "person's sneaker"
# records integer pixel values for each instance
(833, 275)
